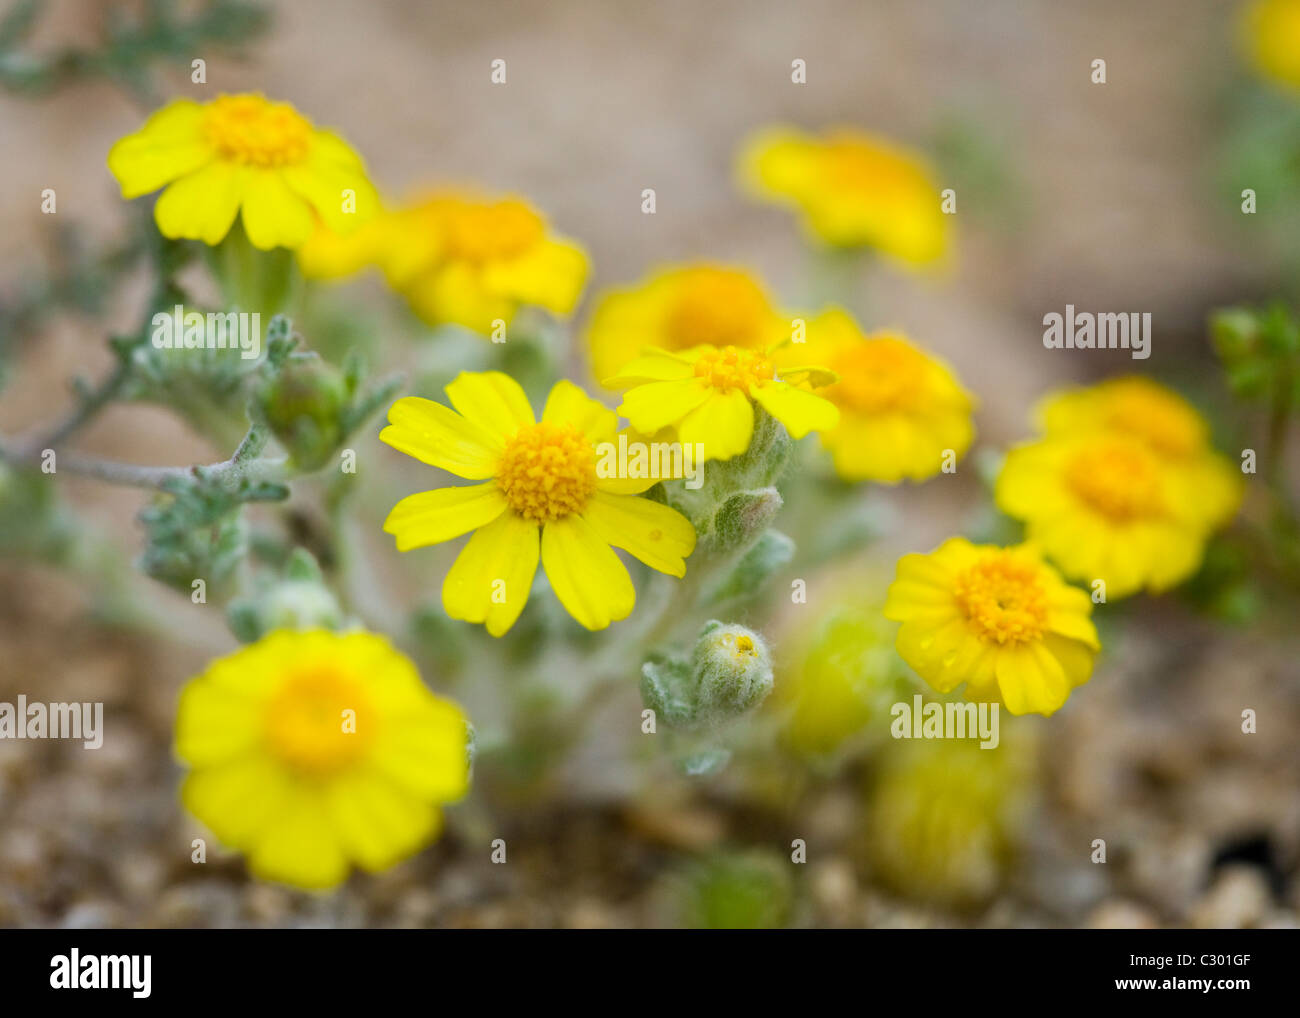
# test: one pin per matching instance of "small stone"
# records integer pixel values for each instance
(1117, 914)
(1239, 899)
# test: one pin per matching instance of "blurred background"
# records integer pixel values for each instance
(1122, 196)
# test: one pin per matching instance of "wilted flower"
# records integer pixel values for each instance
(706, 396)
(1000, 620)
(243, 152)
(901, 409)
(311, 751)
(853, 189)
(542, 498)
(679, 308)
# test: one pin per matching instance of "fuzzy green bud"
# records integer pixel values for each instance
(732, 671)
(303, 404)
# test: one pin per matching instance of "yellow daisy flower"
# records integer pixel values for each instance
(1271, 37)
(470, 260)
(1165, 422)
(679, 308)
(1104, 506)
(332, 256)
(853, 189)
(901, 409)
(542, 496)
(243, 152)
(706, 397)
(1000, 620)
(311, 751)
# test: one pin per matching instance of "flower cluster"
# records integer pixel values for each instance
(1122, 488)
(313, 749)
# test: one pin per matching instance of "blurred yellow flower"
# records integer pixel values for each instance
(840, 672)
(901, 410)
(1165, 422)
(706, 396)
(243, 152)
(541, 478)
(1000, 620)
(681, 307)
(466, 259)
(1104, 506)
(853, 189)
(1271, 36)
(331, 256)
(943, 818)
(311, 751)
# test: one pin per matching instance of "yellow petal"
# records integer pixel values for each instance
(660, 404)
(1031, 680)
(723, 424)
(453, 293)
(170, 145)
(548, 275)
(658, 535)
(585, 573)
(491, 399)
(273, 215)
(376, 823)
(202, 205)
(568, 404)
(431, 517)
(439, 436)
(651, 366)
(322, 183)
(215, 723)
(800, 411)
(238, 799)
(490, 579)
(299, 846)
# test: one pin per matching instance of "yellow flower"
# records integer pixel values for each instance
(311, 751)
(470, 260)
(1168, 425)
(901, 410)
(1271, 36)
(329, 255)
(1000, 620)
(679, 308)
(854, 189)
(706, 396)
(944, 818)
(541, 478)
(1103, 506)
(243, 152)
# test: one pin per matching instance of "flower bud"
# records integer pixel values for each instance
(303, 405)
(732, 671)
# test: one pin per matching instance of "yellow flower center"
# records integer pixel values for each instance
(878, 376)
(250, 129)
(716, 307)
(1164, 423)
(1117, 479)
(319, 722)
(729, 368)
(547, 471)
(1003, 599)
(491, 231)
